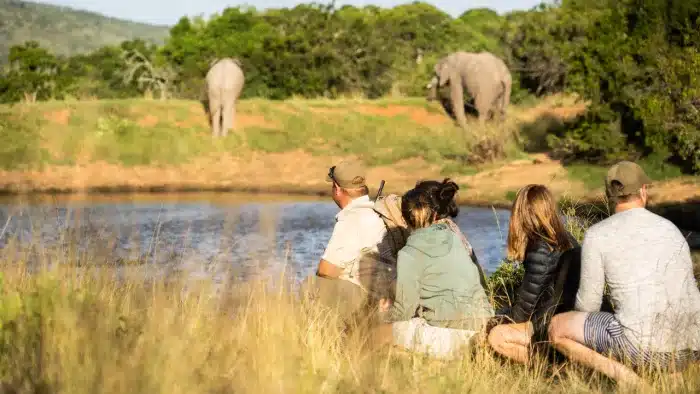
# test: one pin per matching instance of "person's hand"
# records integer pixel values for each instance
(384, 304)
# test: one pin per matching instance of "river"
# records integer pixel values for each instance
(205, 232)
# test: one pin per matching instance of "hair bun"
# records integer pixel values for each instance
(447, 191)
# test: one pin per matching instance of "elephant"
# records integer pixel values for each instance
(224, 82)
(486, 78)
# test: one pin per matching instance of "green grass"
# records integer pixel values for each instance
(145, 132)
(593, 176)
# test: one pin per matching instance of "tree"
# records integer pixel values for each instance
(139, 68)
(33, 74)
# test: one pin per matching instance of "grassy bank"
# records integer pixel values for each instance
(287, 146)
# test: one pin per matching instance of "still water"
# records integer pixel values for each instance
(252, 234)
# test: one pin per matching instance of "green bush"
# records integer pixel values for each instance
(19, 142)
(504, 282)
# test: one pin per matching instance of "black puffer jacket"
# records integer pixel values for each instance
(540, 265)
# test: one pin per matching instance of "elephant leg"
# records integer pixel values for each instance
(457, 98)
(483, 105)
(229, 113)
(215, 109)
(505, 100)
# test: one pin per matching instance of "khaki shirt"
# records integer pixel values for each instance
(358, 231)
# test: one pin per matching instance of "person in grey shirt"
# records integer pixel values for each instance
(645, 262)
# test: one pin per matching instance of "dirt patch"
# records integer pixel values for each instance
(198, 120)
(494, 184)
(60, 117)
(288, 109)
(389, 111)
(241, 120)
(418, 115)
(425, 118)
(254, 121)
(403, 175)
(675, 190)
(298, 171)
(569, 112)
(148, 121)
(561, 112)
(326, 110)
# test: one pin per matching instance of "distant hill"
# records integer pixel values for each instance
(65, 30)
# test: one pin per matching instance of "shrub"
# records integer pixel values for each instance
(19, 141)
(504, 282)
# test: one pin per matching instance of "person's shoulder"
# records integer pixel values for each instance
(539, 251)
(660, 220)
(603, 228)
(664, 225)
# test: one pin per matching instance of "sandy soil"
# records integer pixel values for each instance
(303, 173)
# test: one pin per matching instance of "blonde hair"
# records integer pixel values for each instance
(534, 216)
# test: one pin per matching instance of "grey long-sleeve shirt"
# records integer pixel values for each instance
(646, 264)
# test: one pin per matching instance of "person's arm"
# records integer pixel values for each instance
(592, 283)
(337, 253)
(327, 269)
(539, 271)
(408, 285)
(482, 275)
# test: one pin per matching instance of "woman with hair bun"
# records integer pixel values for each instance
(447, 210)
(440, 303)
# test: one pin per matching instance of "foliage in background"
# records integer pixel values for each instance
(636, 62)
(19, 142)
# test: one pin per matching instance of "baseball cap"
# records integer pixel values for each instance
(625, 178)
(348, 174)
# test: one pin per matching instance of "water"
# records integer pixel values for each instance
(255, 235)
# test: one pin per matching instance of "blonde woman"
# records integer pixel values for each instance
(538, 239)
(440, 303)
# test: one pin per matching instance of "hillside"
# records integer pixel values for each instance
(66, 31)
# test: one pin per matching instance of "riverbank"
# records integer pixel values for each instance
(287, 147)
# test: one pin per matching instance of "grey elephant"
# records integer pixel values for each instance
(486, 78)
(224, 82)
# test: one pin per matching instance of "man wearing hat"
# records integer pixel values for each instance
(358, 242)
(645, 262)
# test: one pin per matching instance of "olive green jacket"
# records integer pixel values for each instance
(437, 280)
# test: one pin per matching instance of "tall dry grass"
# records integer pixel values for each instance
(78, 329)
(72, 322)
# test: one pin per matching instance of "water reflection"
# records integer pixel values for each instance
(260, 237)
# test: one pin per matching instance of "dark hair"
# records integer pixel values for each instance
(429, 201)
(443, 193)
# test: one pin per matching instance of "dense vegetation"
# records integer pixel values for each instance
(635, 61)
(66, 31)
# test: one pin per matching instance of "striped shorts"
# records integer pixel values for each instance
(603, 333)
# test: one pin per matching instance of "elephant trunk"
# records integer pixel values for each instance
(432, 89)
